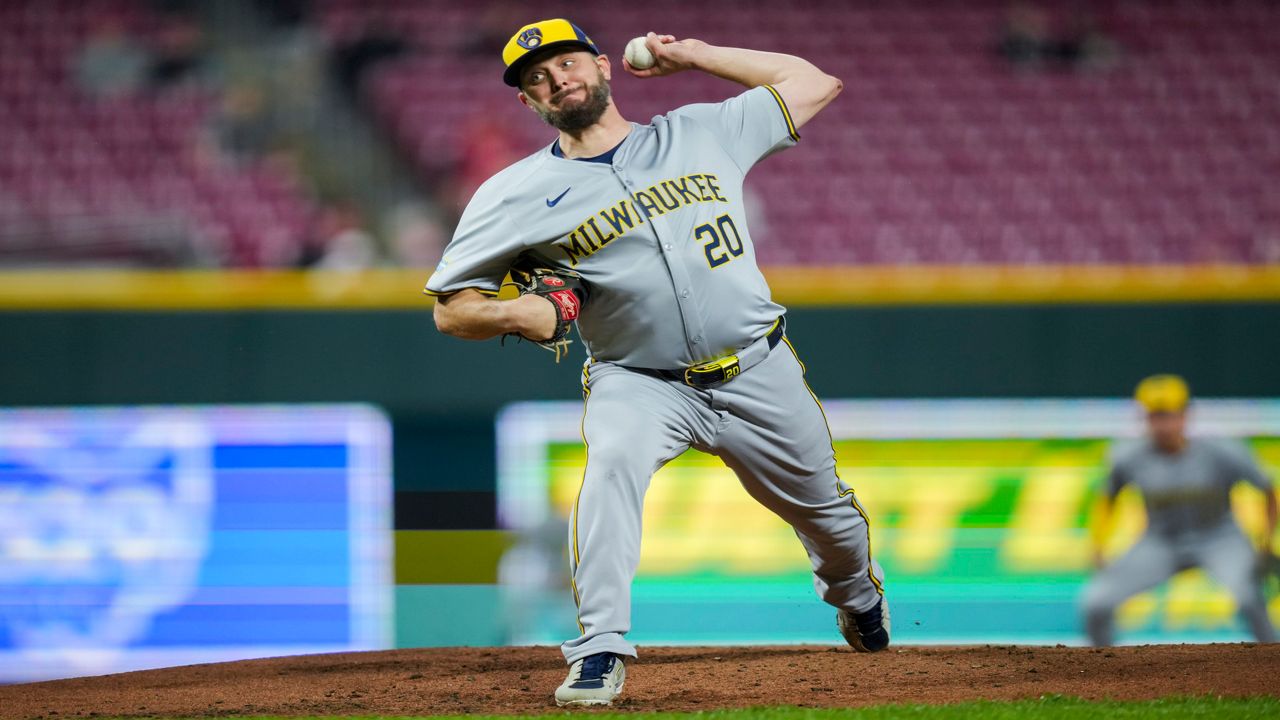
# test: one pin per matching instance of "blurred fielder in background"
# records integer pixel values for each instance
(1185, 485)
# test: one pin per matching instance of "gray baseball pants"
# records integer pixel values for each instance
(1222, 552)
(765, 425)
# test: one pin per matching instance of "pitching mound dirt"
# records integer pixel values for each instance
(521, 680)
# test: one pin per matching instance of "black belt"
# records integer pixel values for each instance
(709, 375)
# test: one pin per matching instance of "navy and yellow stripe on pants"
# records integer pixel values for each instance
(840, 488)
(582, 430)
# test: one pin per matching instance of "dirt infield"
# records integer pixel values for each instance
(521, 680)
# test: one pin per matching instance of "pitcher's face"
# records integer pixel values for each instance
(568, 89)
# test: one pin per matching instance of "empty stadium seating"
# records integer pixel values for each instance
(121, 178)
(939, 151)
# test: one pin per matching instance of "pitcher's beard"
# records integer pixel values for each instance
(582, 115)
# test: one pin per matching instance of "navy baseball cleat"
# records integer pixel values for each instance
(866, 631)
(593, 680)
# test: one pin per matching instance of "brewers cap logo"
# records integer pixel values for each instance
(539, 37)
(530, 39)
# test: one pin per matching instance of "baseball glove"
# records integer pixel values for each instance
(563, 288)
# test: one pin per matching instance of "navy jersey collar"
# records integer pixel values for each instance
(605, 157)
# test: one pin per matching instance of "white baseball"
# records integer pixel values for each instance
(638, 54)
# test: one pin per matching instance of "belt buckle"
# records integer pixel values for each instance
(714, 373)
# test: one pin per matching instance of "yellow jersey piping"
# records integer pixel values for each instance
(786, 113)
(843, 492)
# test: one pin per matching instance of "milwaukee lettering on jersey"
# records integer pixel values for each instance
(661, 229)
(611, 223)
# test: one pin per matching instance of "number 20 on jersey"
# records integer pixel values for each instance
(722, 242)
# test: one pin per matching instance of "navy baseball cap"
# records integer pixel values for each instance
(539, 36)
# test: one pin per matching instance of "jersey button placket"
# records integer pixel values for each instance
(675, 265)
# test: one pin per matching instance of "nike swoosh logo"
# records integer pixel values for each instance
(553, 203)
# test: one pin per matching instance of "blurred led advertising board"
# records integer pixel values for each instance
(140, 537)
(979, 512)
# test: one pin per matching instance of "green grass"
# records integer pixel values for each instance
(1050, 707)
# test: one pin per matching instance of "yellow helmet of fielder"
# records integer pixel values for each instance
(539, 36)
(1163, 393)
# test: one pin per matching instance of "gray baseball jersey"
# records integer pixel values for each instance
(1189, 524)
(1187, 491)
(659, 234)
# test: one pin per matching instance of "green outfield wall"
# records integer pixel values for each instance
(442, 393)
(395, 358)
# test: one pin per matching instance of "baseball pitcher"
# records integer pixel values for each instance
(638, 234)
(1185, 485)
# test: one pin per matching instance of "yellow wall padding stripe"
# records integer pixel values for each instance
(843, 492)
(212, 290)
(997, 284)
(786, 113)
(795, 286)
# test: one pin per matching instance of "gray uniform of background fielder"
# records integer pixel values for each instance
(1189, 524)
(660, 236)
